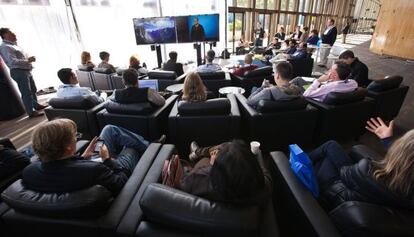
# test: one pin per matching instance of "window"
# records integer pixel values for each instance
(271, 4)
(230, 3)
(240, 3)
(260, 4)
(283, 5)
(291, 5)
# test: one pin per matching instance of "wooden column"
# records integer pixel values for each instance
(394, 32)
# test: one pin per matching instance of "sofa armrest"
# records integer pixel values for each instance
(359, 152)
(319, 220)
(167, 104)
(318, 104)
(7, 143)
(181, 78)
(243, 102)
(233, 105)
(98, 107)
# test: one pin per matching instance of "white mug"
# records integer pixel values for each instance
(255, 147)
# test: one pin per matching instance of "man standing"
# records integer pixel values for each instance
(345, 31)
(197, 31)
(328, 40)
(20, 70)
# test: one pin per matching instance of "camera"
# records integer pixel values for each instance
(99, 145)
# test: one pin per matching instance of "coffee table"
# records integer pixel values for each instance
(175, 88)
(231, 90)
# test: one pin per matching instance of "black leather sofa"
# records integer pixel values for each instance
(276, 124)
(300, 214)
(389, 96)
(141, 118)
(66, 215)
(302, 67)
(84, 75)
(342, 115)
(82, 110)
(165, 78)
(209, 123)
(252, 78)
(215, 80)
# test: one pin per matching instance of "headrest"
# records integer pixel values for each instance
(85, 68)
(212, 75)
(266, 106)
(340, 98)
(185, 211)
(143, 108)
(120, 71)
(88, 202)
(263, 71)
(220, 106)
(103, 70)
(74, 102)
(158, 74)
(388, 83)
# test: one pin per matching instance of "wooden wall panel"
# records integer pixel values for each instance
(394, 32)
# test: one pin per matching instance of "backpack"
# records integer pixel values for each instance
(173, 171)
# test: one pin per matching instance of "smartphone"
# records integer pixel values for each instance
(98, 146)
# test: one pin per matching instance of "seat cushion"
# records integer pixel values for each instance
(388, 83)
(88, 202)
(267, 106)
(220, 106)
(340, 98)
(158, 74)
(144, 108)
(74, 102)
(264, 71)
(212, 75)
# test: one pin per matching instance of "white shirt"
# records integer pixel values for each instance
(69, 90)
(328, 29)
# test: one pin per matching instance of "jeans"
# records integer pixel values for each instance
(125, 145)
(328, 159)
(27, 88)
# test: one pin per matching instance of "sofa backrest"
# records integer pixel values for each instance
(74, 102)
(219, 106)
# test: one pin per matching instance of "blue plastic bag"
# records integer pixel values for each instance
(301, 165)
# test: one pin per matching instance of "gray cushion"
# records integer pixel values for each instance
(220, 106)
(74, 102)
(339, 98)
(143, 108)
(266, 106)
(388, 83)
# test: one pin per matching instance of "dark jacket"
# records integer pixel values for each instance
(359, 72)
(173, 66)
(345, 30)
(131, 95)
(291, 50)
(358, 184)
(11, 162)
(73, 174)
(280, 36)
(197, 33)
(313, 40)
(330, 37)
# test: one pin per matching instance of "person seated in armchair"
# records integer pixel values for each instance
(283, 90)
(133, 94)
(228, 172)
(104, 56)
(135, 63)
(172, 65)
(359, 71)
(59, 170)
(209, 66)
(194, 89)
(301, 52)
(389, 182)
(335, 81)
(71, 86)
(248, 66)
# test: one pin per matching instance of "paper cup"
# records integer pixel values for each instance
(255, 147)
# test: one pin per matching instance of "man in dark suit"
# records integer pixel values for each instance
(197, 31)
(328, 40)
(133, 94)
(172, 65)
(359, 71)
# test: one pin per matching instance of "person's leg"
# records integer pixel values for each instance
(128, 159)
(324, 53)
(328, 159)
(33, 90)
(343, 38)
(116, 138)
(23, 81)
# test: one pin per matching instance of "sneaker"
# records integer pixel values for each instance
(36, 114)
(161, 139)
(193, 155)
(40, 107)
(321, 65)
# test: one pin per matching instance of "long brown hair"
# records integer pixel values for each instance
(194, 89)
(85, 57)
(396, 170)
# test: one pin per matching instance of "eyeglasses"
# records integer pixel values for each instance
(78, 135)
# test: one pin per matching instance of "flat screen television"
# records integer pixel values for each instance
(178, 29)
(156, 30)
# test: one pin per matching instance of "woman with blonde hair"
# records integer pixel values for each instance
(86, 59)
(135, 63)
(194, 89)
(387, 182)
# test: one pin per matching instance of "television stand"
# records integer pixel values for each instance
(157, 48)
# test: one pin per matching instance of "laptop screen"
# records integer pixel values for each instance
(153, 84)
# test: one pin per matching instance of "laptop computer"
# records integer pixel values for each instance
(153, 84)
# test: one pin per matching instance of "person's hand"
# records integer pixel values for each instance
(32, 59)
(213, 156)
(265, 83)
(104, 153)
(90, 149)
(379, 128)
(323, 78)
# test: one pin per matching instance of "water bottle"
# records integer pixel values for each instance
(319, 43)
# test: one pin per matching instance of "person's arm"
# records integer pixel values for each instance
(11, 161)
(155, 98)
(261, 93)
(381, 130)
(112, 179)
(85, 91)
(10, 57)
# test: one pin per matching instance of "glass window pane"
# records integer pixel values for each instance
(271, 4)
(283, 5)
(230, 3)
(306, 9)
(301, 5)
(260, 4)
(291, 5)
(240, 3)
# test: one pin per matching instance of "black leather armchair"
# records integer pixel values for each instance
(389, 96)
(302, 67)
(141, 118)
(215, 80)
(102, 79)
(84, 75)
(120, 219)
(209, 123)
(82, 110)
(342, 115)
(165, 78)
(276, 124)
(252, 78)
